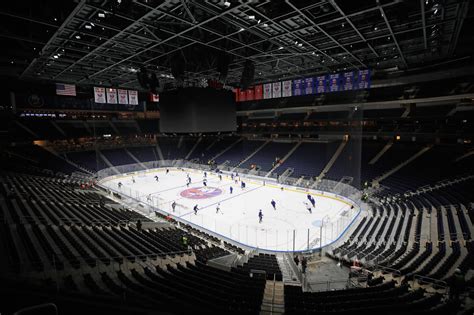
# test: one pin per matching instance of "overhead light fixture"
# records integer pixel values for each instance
(265, 25)
(55, 56)
(241, 29)
(78, 37)
(89, 27)
(300, 45)
(227, 3)
(101, 15)
(259, 21)
(251, 17)
(281, 47)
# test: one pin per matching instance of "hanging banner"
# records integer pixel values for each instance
(320, 84)
(286, 90)
(267, 90)
(348, 83)
(237, 94)
(133, 97)
(250, 94)
(99, 95)
(363, 81)
(242, 95)
(276, 89)
(308, 86)
(297, 87)
(258, 92)
(122, 97)
(334, 82)
(111, 96)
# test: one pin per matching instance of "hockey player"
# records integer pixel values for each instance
(231, 189)
(133, 180)
(218, 207)
(260, 216)
(220, 177)
(119, 185)
(242, 185)
(308, 207)
(195, 209)
(156, 178)
(273, 204)
(167, 171)
(204, 182)
(313, 202)
(173, 205)
(309, 197)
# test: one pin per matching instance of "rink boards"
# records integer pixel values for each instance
(289, 227)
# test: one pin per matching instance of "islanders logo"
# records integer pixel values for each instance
(201, 192)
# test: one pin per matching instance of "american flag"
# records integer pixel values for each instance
(65, 89)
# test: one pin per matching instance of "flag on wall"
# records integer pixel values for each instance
(297, 87)
(65, 89)
(99, 95)
(320, 84)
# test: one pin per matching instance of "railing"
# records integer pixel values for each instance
(439, 284)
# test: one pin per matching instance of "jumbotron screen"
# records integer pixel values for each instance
(191, 110)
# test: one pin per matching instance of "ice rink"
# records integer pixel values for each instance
(289, 225)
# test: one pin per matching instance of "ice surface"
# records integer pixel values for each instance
(238, 218)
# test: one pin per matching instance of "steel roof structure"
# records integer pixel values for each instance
(106, 41)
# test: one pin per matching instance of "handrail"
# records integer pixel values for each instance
(35, 308)
(430, 280)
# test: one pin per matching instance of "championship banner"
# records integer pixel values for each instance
(308, 86)
(276, 89)
(286, 88)
(122, 97)
(133, 97)
(320, 84)
(267, 90)
(250, 94)
(297, 87)
(237, 94)
(99, 95)
(363, 81)
(242, 95)
(111, 96)
(258, 92)
(348, 83)
(334, 82)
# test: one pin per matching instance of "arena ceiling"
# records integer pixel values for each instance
(106, 42)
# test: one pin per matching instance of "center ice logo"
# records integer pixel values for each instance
(201, 192)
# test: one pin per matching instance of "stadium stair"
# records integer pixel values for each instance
(158, 150)
(252, 154)
(225, 150)
(273, 298)
(284, 158)
(377, 180)
(135, 159)
(333, 159)
(193, 148)
(108, 162)
(382, 152)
